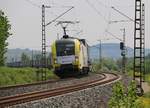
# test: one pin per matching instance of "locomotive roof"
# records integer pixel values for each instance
(71, 39)
(64, 40)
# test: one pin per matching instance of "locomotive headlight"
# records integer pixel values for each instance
(55, 61)
(76, 58)
(75, 62)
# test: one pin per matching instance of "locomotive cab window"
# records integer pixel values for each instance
(65, 48)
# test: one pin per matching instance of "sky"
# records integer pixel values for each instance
(93, 16)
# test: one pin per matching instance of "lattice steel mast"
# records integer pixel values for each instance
(139, 46)
(143, 41)
(43, 63)
(42, 73)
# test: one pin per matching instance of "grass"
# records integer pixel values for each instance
(147, 95)
(145, 100)
(14, 76)
(147, 78)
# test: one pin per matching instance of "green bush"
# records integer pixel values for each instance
(107, 64)
(122, 99)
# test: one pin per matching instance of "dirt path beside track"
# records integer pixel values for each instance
(146, 87)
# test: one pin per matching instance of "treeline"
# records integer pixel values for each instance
(30, 61)
(116, 64)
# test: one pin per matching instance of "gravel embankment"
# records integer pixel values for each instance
(95, 97)
(60, 83)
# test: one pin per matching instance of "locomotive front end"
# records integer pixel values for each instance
(65, 56)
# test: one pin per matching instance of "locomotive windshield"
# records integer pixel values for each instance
(64, 48)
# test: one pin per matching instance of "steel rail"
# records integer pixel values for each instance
(33, 84)
(28, 84)
(25, 94)
(30, 87)
(18, 99)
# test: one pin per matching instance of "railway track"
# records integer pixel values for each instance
(22, 98)
(25, 88)
(27, 85)
(45, 85)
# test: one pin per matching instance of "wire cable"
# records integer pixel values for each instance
(123, 14)
(99, 2)
(95, 9)
(32, 3)
(59, 16)
(113, 35)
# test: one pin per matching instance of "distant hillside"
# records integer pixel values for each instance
(111, 50)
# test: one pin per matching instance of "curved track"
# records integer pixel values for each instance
(18, 99)
(46, 85)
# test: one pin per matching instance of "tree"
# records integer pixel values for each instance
(25, 59)
(147, 62)
(110, 64)
(119, 63)
(148, 56)
(4, 34)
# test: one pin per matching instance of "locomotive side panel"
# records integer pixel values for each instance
(84, 58)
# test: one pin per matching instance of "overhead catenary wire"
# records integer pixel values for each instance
(59, 16)
(123, 14)
(125, 6)
(33, 4)
(99, 2)
(113, 35)
(52, 6)
(110, 22)
(93, 7)
(61, 6)
(56, 5)
(109, 18)
(96, 10)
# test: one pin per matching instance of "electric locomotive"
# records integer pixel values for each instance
(70, 56)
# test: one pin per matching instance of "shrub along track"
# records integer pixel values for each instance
(22, 98)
